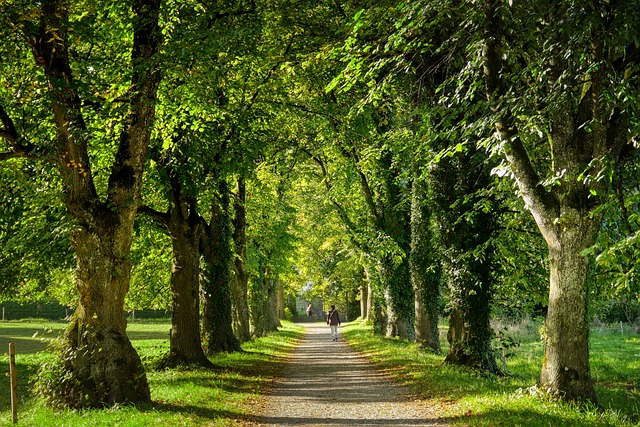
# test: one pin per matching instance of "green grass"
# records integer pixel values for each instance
(468, 398)
(200, 397)
(187, 397)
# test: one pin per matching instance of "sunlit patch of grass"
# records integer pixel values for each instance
(180, 397)
(466, 397)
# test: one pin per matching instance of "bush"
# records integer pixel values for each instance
(614, 311)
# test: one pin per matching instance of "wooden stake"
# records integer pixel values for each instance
(14, 382)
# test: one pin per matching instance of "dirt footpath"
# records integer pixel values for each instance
(327, 384)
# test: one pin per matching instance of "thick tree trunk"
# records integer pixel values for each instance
(185, 344)
(216, 281)
(240, 280)
(425, 270)
(464, 236)
(103, 365)
(395, 274)
(565, 368)
(588, 135)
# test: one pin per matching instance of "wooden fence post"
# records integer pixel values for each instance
(14, 382)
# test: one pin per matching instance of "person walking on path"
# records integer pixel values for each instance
(342, 389)
(333, 320)
(309, 310)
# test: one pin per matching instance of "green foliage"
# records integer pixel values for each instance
(35, 251)
(152, 261)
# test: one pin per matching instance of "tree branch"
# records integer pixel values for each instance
(528, 180)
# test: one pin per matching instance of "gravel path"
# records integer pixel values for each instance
(327, 384)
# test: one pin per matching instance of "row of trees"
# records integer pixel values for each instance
(226, 151)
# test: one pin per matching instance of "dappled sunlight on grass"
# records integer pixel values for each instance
(186, 396)
(468, 397)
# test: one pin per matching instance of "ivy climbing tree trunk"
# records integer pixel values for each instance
(100, 365)
(394, 267)
(464, 235)
(216, 277)
(425, 269)
(240, 280)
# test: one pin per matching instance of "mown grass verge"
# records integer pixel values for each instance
(181, 397)
(467, 398)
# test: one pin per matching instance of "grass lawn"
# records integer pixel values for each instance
(468, 398)
(219, 398)
(189, 397)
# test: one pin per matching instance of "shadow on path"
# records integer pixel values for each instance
(326, 383)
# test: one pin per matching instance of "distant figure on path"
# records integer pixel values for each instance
(333, 320)
(309, 310)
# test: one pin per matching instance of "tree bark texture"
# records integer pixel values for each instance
(185, 230)
(102, 367)
(425, 270)
(240, 280)
(464, 235)
(216, 281)
(566, 369)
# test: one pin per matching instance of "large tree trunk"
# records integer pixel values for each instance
(216, 280)
(240, 280)
(104, 367)
(398, 296)
(101, 366)
(565, 367)
(464, 237)
(394, 273)
(425, 270)
(185, 344)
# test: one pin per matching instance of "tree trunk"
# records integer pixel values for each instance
(364, 294)
(394, 267)
(565, 367)
(370, 298)
(464, 238)
(216, 280)
(588, 135)
(279, 302)
(259, 306)
(398, 296)
(104, 366)
(274, 320)
(240, 281)
(425, 271)
(185, 344)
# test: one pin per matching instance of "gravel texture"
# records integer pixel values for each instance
(326, 383)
